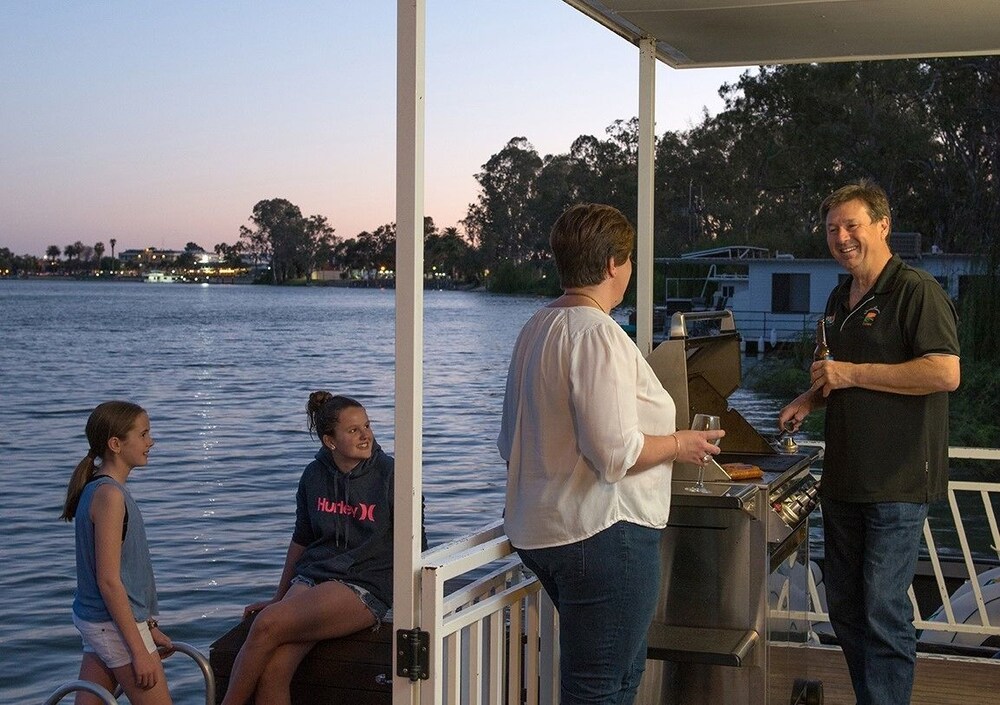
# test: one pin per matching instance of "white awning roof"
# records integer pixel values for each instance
(699, 33)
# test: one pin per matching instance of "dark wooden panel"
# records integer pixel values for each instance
(355, 669)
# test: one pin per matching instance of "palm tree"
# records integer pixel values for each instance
(98, 253)
(52, 252)
(113, 242)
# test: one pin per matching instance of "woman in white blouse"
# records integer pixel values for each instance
(589, 436)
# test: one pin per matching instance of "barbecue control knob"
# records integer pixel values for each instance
(789, 514)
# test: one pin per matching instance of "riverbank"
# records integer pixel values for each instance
(435, 283)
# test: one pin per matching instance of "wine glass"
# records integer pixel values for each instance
(703, 422)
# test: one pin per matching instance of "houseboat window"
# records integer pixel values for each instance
(790, 293)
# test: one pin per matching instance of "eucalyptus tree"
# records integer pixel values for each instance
(556, 188)
(292, 244)
(790, 134)
(320, 242)
(278, 237)
(500, 222)
(963, 102)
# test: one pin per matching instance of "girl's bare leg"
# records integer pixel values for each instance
(304, 616)
(93, 669)
(137, 695)
(274, 684)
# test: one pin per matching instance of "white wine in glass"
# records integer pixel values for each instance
(703, 422)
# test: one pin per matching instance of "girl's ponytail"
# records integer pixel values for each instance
(83, 474)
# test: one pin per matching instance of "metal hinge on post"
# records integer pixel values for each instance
(413, 654)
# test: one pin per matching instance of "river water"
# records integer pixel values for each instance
(224, 372)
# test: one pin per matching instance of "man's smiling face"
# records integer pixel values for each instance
(857, 242)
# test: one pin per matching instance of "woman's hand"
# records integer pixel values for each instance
(257, 607)
(697, 447)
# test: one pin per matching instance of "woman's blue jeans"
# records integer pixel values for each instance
(871, 554)
(605, 589)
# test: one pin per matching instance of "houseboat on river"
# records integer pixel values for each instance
(777, 297)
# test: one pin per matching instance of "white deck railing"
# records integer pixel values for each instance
(494, 638)
(949, 619)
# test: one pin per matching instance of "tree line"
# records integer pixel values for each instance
(294, 246)
(927, 130)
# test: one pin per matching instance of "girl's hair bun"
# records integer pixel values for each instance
(316, 400)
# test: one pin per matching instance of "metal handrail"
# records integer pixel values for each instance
(73, 686)
(204, 664)
(178, 646)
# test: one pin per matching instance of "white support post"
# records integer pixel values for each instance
(644, 220)
(410, 37)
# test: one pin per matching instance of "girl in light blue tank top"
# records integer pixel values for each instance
(115, 602)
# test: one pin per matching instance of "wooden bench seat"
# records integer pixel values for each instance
(355, 669)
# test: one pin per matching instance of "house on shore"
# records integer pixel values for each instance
(776, 297)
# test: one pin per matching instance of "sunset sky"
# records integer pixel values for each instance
(160, 123)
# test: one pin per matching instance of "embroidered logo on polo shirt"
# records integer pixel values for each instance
(870, 316)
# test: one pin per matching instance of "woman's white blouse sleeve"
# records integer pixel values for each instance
(603, 373)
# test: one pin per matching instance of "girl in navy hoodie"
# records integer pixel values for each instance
(337, 577)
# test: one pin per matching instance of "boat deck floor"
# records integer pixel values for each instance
(939, 680)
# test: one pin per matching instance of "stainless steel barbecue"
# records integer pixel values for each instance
(734, 559)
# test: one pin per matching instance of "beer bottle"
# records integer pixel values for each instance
(822, 351)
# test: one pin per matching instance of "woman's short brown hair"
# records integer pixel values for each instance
(584, 238)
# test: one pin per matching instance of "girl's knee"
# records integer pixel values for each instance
(265, 628)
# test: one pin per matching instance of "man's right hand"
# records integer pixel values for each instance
(791, 417)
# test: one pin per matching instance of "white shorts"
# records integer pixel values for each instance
(104, 640)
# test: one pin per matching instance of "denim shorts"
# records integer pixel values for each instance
(104, 640)
(379, 609)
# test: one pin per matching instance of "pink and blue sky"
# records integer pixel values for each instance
(158, 123)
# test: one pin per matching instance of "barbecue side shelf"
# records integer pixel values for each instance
(718, 647)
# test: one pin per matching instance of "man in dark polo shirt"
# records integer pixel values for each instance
(892, 333)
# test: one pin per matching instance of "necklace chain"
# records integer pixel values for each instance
(588, 296)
